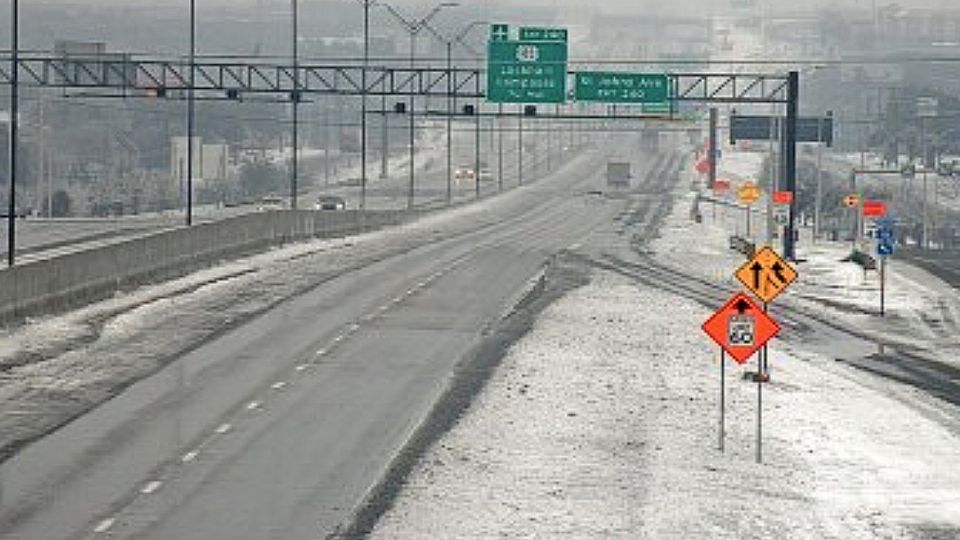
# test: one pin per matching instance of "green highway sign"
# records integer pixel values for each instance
(529, 33)
(527, 72)
(616, 87)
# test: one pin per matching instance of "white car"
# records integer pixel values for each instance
(271, 203)
(464, 173)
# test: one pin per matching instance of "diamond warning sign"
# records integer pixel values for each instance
(741, 327)
(767, 274)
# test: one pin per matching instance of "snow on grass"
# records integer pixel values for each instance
(602, 423)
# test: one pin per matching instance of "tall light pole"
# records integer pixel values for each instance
(363, 101)
(363, 106)
(295, 109)
(190, 109)
(414, 27)
(14, 104)
(449, 42)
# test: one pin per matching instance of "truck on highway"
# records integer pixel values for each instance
(618, 174)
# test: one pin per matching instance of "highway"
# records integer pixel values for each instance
(280, 427)
(945, 264)
(42, 238)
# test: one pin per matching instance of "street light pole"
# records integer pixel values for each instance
(363, 103)
(14, 105)
(449, 121)
(413, 125)
(414, 27)
(294, 164)
(190, 110)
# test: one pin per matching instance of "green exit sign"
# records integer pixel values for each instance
(616, 87)
(532, 33)
(527, 72)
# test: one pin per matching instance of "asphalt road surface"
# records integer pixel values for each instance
(943, 264)
(279, 428)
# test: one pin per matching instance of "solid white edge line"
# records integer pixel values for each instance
(151, 487)
(104, 525)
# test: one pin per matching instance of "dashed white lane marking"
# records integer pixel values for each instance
(223, 428)
(279, 385)
(151, 487)
(189, 456)
(338, 339)
(302, 367)
(253, 405)
(354, 327)
(385, 307)
(574, 247)
(411, 291)
(398, 299)
(104, 525)
(321, 352)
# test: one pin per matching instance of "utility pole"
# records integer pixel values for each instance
(790, 159)
(14, 121)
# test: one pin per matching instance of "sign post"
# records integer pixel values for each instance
(741, 328)
(885, 247)
(723, 397)
(767, 275)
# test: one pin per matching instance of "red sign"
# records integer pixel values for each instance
(703, 166)
(782, 197)
(874, 208)
(741, 328)
(721, 184)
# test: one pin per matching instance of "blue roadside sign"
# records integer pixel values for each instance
(885, 237)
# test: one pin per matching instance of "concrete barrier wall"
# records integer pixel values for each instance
(75, 279)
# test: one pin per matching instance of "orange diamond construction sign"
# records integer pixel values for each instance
(741, 327)
(767, 274)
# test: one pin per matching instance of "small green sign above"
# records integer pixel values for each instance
(499, 32)
(531, 33)
(616, 87)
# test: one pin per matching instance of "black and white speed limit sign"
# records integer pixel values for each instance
(741, 330)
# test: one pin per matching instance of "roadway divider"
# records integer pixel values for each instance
(74, 279)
